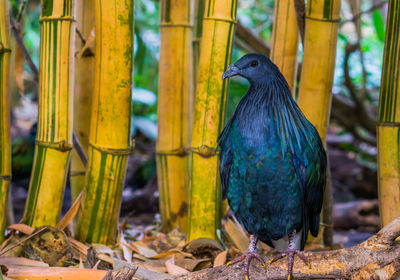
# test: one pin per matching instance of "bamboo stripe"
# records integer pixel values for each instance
(5, 136)
(110, 135)
(388, 125)
(215, 55)
(54, 137)
(390, 89)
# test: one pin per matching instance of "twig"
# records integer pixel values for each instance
(365, 119)
(24, 51)
(79, 149)
(371, 9)
(21, 11)
(80, 36)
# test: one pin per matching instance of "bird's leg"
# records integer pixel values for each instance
(248, 256)
(290, 253)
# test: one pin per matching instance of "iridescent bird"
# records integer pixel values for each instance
(272, 163)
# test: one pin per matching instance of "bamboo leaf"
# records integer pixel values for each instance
(63, 223)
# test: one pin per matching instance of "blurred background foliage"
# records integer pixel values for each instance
(356, 83)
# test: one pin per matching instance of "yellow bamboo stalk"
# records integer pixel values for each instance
(285, 40)
(110, 126)
(215, 55)
(315, 90)
(388, 126)
(84, 82)
(174, 97)
(5, 138)
(54, 136)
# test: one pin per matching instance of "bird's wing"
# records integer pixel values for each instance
(310, 165)
(226, 159)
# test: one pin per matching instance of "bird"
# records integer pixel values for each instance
(272, 164)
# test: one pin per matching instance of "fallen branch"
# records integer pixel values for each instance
(376, 258)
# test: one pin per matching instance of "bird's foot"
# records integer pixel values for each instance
(290, 253)
(247, 257)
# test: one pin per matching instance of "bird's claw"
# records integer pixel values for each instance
(247, 257)
(290, 254)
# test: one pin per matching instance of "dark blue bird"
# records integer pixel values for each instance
(272, 163)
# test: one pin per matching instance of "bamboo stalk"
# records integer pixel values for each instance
(285, 40)
(315, 91)
(84, 82)
(388, 126)
(54, 136)
(110, 128)
(5, 137)
(174, 98)
(215, 55)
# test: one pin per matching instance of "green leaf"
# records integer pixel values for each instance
(377, 20)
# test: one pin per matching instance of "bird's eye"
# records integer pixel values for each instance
(254, 63)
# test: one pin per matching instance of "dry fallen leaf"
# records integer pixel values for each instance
(146, 252)
(174, 269)
(127, 251)
(237, 235)
(21, 262)
(220, 259)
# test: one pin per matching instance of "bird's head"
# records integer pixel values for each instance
(254, 67)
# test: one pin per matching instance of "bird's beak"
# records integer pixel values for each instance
(232, 71)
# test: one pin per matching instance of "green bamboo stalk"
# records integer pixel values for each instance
(110, 128)
(5, 137)
(388, 126)
(54, 136)
(215, 54)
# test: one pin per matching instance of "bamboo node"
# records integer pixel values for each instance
(77, 173)
(392, 124)
(323, 19)
(42, 19)
(5, 177)
(204, 151)
(110, 151)
(220, 19)
(62, 146)
(4, 49)
(180, 152)
(175, 25)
